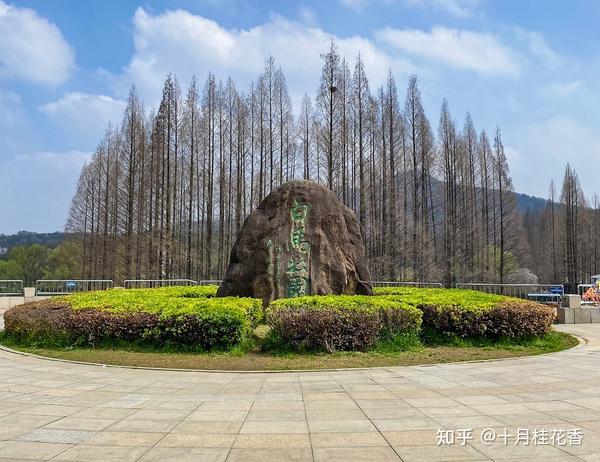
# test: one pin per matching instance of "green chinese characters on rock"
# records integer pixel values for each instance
(297, 268)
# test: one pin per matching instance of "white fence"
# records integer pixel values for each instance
(210, 282)
(538, 292)
(68, 286)
(11, 288)
(434, 285)
(154, 283)
(582, 288)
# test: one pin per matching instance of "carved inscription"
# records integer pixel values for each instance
(297, 268)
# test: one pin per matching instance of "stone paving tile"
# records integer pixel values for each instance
(273, 440)
(83, 452)
(382, 404)
(255, 416)
(11, 432)
(157, 414)
(393, 413)
(346, 440)
(376, 414)
(157, 454)
(208, 427)
(201, 415)
(151, 426)
(103, 413)
(196, 440)
(590, 457)
(439, 453)
(53, 410)
(411, 437)
(334, 414)
(325, 405)
(270, 455)
(31, 450)
(108, 438)
(279, 405)
(498, 450)
(45, 435)
(226, 405)
(345, 454)
(358, 426)
(80, 423)
(391, 425)
(26, 420)
(274, 427)
(454, 422)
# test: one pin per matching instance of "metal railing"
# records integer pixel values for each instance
(582, 288)
(68, 286)
(437, 285)
(11, 287)
(210, 282)
(155, 283)
(537, 292)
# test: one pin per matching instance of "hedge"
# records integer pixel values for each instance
(174, 316)
(473, 314)
(340, 322)
(193, 317)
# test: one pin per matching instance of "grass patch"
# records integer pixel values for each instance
(399, 352)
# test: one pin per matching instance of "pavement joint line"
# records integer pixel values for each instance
(167, 433)
(312, 449)
(432, 418)
(240, 429)
(375, 426)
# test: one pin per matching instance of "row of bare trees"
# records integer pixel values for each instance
(167, 191)
(564, 235)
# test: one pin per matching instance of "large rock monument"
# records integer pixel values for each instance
(301, 240)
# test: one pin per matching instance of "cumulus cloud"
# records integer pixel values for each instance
(32, 48)
(180, 42)
(84, 116)
(186, 44)
(461, 49)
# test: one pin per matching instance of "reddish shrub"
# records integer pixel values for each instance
(510, 318)
(54, 322)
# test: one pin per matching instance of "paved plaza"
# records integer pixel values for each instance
(52, 410)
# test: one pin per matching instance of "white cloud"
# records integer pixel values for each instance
(83, 116)
(562, 90)
(11, 109)
(187, 44)
(539, 48)
(32, 48)
(461, 49)
(458, 8)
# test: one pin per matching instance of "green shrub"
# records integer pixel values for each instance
(472, 314)
(340, 322)
(174, 316)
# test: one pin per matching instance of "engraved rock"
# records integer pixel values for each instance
(301, 240)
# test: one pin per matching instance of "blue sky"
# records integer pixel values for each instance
(66, 66)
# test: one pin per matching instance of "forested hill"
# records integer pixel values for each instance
(533, 203)
(8, 241)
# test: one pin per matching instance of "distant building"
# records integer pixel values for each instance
(3, 250)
